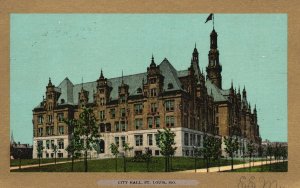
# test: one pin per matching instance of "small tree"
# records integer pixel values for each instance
(87, 131)
(40, 149)
(165, 143)
(250, 148)
(232, 145)
(126, 148)
(216, 150)
(55, 150)
(115, 151)
(207, 150)
(75, 145)
(19, 156)
(148, 157)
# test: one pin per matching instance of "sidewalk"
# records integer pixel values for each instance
(42, 164)
(235, 166)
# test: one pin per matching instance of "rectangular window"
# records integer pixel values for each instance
(122, 99)
(49, 118)
(48, 131)
(157, 122)
(123, 140)
(117, 127)
(112, 113)
(150, 139)
(169, 105)
(117, 141)
(138, 140)
(40, 119)
(138, 108)
(123, 125)
(52, 144)
(61, 130)
(102, 101)
(153, 107)
(60, 117)
(150, 122)
(60, 144)
(170, 121)
(102, 115)
(122, 112)
(186, 139)
(198, 140)
(157, 152)
(40, 131)
(138, 123)
(192, 139)
(153, 92)
(47, 144)
(60, 155)
(156, 140)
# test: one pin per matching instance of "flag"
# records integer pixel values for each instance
(210, 17)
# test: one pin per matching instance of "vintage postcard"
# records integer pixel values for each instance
(105, 97)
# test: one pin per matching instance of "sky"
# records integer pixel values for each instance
(253, 52)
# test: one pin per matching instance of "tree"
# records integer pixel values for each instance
(19, 156)
(87, 131)
(197, 153)
(269, 153)
(207, 150)
(115, 151)
(55, 149)
(147, 156)
(216, 150)
(75, 145)
(166, 141)
(232, 145)
(40, 149)
(126, 148)
(250, 148)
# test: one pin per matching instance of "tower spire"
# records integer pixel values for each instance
(122, 77)
(101, 74)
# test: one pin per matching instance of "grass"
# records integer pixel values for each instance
(108, 165)
(276, 167)
(15, 162)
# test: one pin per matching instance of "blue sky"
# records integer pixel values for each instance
(253, 52)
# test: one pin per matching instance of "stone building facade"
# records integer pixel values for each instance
(130, 109)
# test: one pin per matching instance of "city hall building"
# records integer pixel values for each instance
(130, 109)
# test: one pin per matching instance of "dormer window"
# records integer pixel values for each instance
(62, 101)
(170, 86)
(139, 90)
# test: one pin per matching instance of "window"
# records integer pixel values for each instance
(170, 121)
(40, 119)
(122, 99)
(61, 130)
(102, 115)
(152, 80)
(170, 86)
(60, 117)
(123, 140)
(187, 152)
(102, 101)
(117, 126)
(112, 113)
(49, 118)
(150, 122)
(60, 144)
(217, 120)
(60, 155)
(123, 126)
(40, 131)
(122, 112)
(138, 140)
(156, 140)
(186, 139)
(52, 144)
(169, 105)
(51, 130)
(101, 90)
(198, 140)
(153, 92)
(102, 127)
(138, 108)
(48, 131)
(157, 122)
(156, 152)
(117, 139)
(108, 127)
(150, 139)
(153, 107)
(192, 139)
(47, 144)
(138, 123)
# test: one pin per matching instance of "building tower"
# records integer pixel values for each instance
(214, 68)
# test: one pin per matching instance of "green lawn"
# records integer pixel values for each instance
(277, 167)
(15, 162)
(108, 165)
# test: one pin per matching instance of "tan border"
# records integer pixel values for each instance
(291, 7)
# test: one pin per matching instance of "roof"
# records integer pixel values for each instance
(217, 93)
